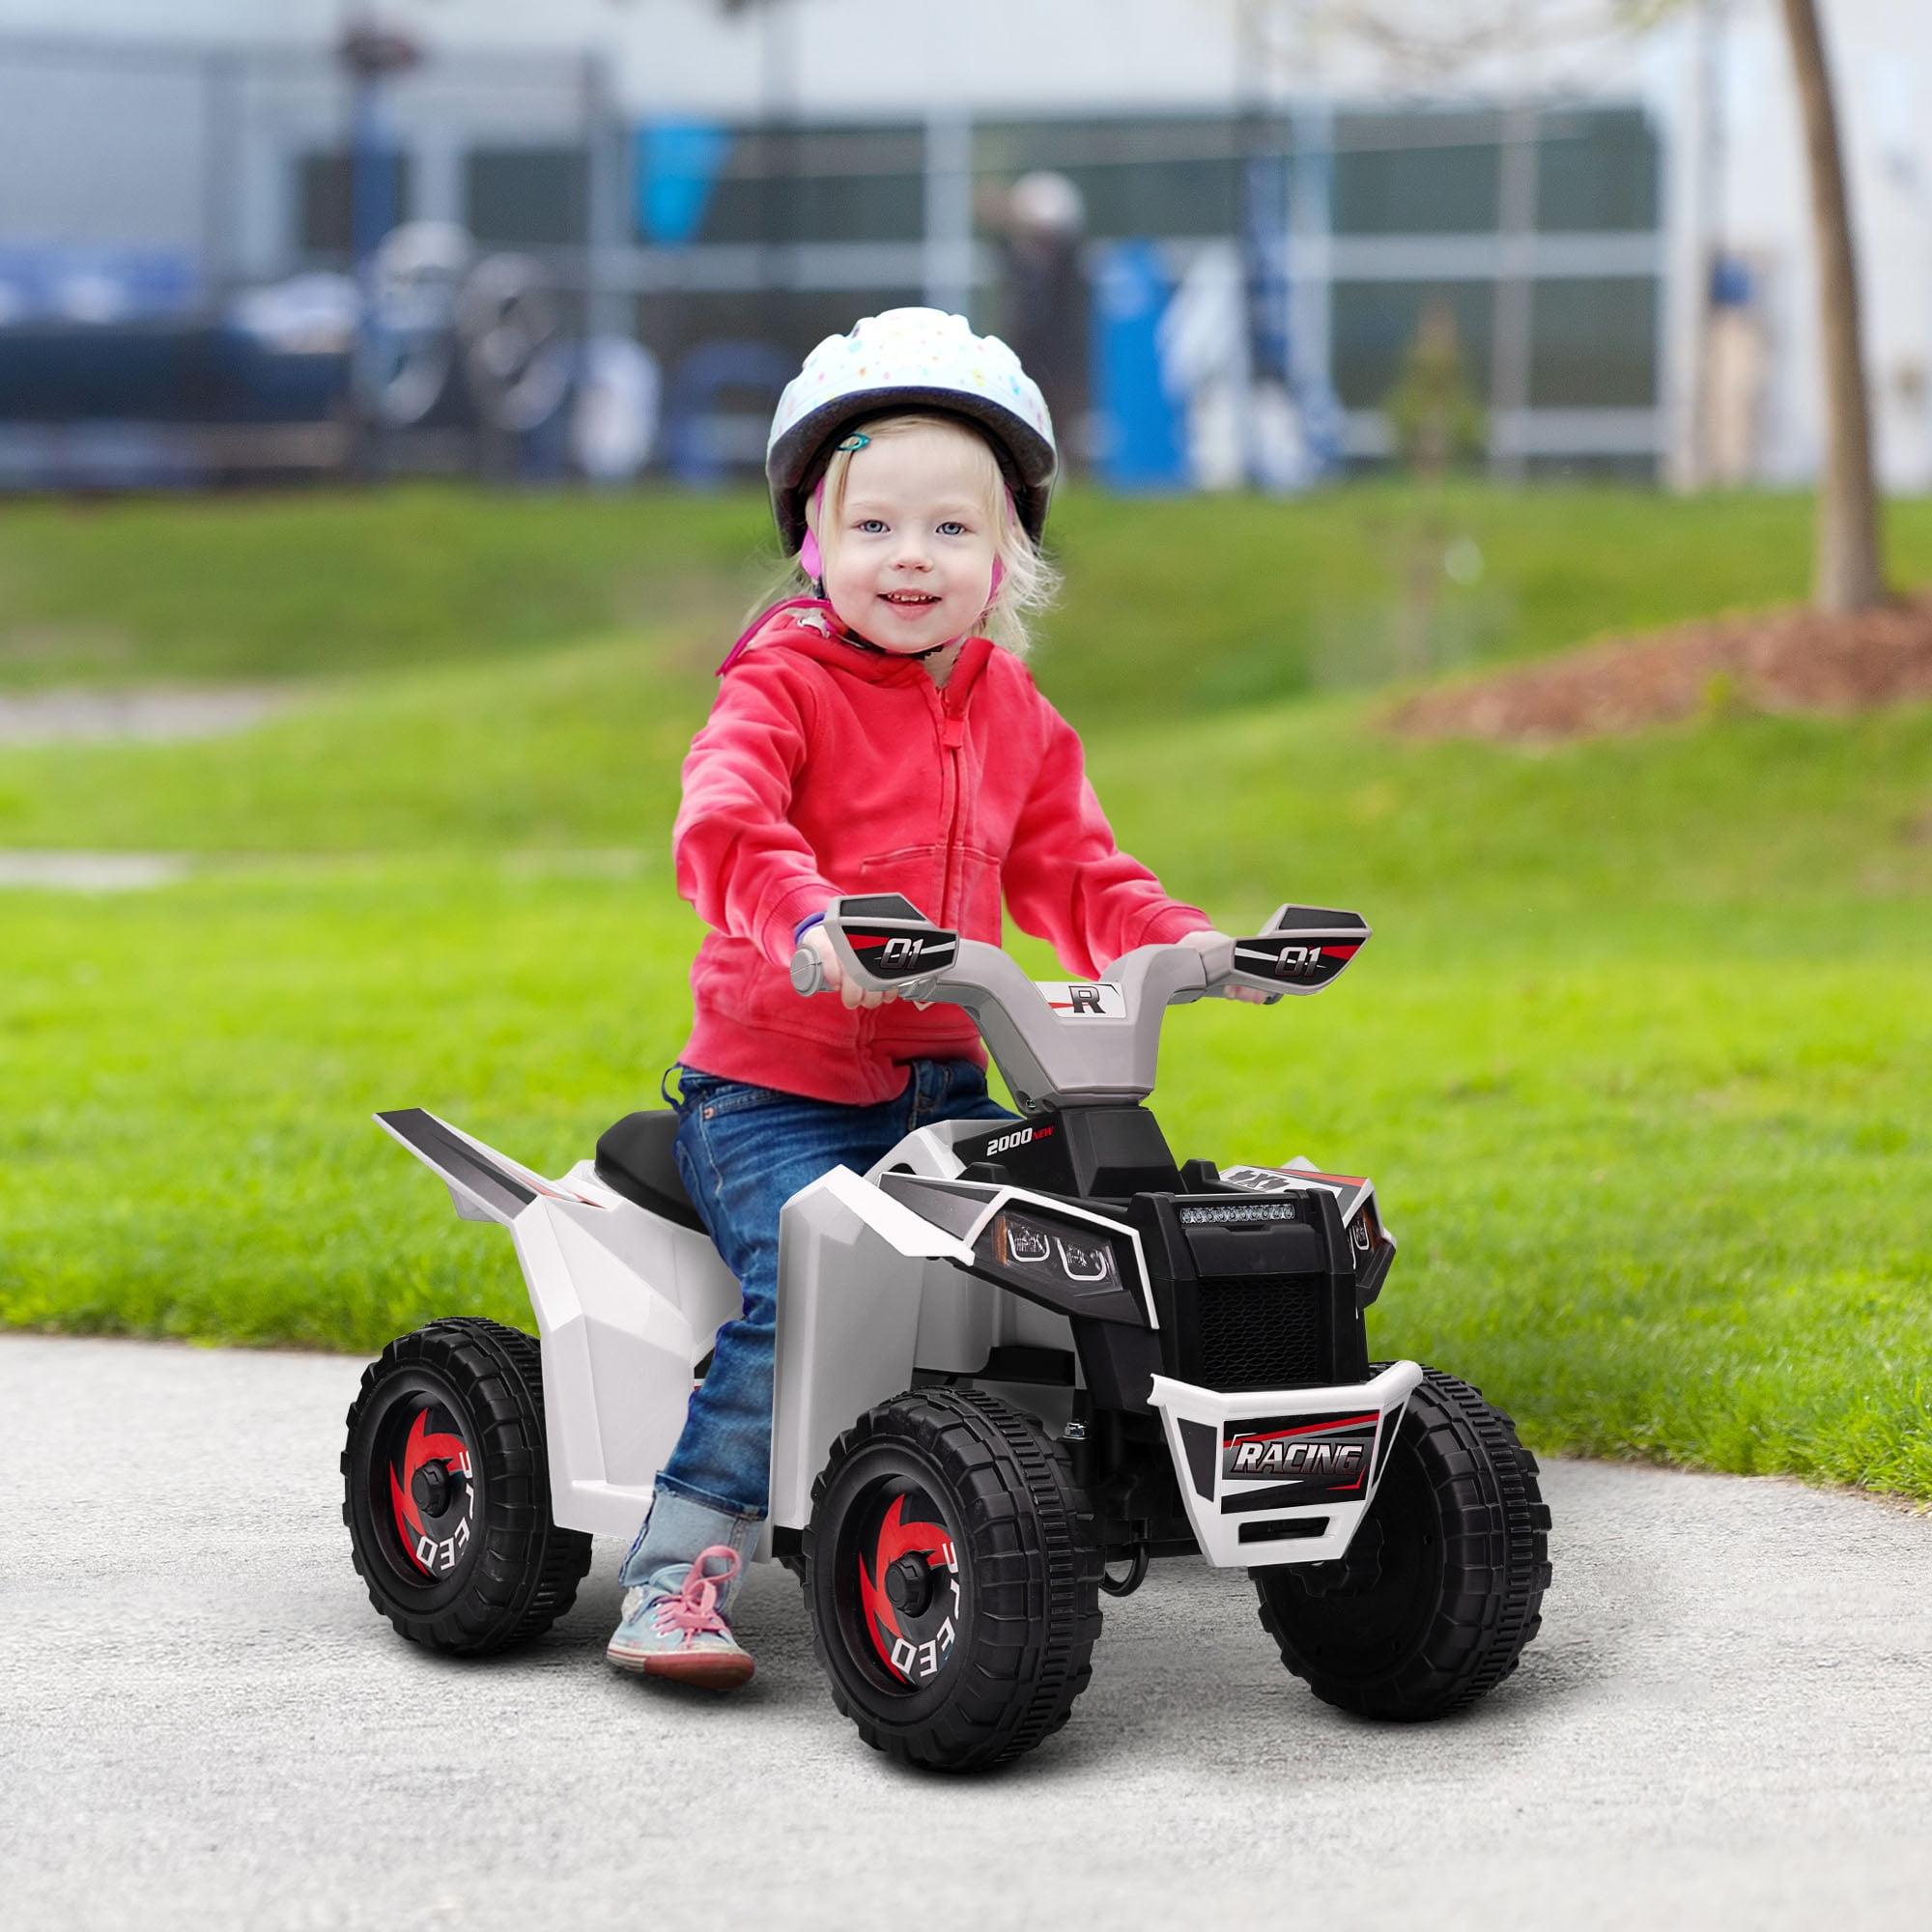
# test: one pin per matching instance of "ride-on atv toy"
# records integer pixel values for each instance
(1014, 1364)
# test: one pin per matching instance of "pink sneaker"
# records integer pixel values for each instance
(680, 1633)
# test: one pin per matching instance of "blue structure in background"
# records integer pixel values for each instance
(675, 166)
(1265, 262)
(374, 171)
(1141, 437)
(83, 282)
(1313, 167)
(704, 379)
(1273, 357)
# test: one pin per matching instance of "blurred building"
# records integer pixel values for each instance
(1618, 226)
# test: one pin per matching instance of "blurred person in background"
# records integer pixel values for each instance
(1042, 224)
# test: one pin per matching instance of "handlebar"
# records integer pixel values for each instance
(807, 976)
(808, 972)
(1100, 1041)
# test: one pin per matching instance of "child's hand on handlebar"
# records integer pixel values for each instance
(836, 978)
(1208, 944)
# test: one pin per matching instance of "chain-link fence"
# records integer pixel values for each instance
(1209, 297)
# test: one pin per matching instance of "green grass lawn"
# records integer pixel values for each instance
(1250, 599)
(1639, 1056)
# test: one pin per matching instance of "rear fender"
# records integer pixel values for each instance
(484, 1185)
(626, 1302)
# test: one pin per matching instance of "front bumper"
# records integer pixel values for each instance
(1281, 1476)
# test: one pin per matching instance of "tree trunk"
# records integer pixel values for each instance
(1849, 574)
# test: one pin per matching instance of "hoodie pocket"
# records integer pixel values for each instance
(964, 895)
(975, 894)
(916, 872)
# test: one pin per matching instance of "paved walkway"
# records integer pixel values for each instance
(154, 715)
(1727, 1721)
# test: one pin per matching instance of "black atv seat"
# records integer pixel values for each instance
(635, 1159)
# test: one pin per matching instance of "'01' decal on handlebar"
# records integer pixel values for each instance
(1300, 962)
(902, 956)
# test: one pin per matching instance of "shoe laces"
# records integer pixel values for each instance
(692, 1607)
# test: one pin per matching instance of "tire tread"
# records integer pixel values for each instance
(1488, 1502)
(528, 1567)
(1033, 1543)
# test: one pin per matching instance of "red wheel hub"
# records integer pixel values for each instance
(910, 1596)
(434, 1461)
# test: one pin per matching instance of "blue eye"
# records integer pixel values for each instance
(953, 528)
(869, 523)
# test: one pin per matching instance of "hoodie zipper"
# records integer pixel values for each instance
(952, 738)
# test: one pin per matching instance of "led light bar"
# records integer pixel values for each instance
(1239, 1212)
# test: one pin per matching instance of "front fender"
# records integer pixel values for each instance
(851, 1275)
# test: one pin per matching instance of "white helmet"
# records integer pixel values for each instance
(911, 358)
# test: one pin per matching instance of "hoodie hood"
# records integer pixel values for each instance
(808, 626)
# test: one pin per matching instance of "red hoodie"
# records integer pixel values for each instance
(828, 769)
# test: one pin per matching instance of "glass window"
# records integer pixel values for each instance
(1595, 467)
(850, 184)
(1417, 174)
(1166, 175)
(1169, 176)
(725, 358)
(1594, 344)
(324, 189)
(1374, 324)
(1595, 171)
(1099, 140)
(524, 197)
(672, 323)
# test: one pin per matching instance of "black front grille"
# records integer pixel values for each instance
(1258, 1334)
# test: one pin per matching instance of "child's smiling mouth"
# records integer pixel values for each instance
(914, 600)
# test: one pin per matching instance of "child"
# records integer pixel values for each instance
(870, 737)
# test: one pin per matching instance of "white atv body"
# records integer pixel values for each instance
(1008, 1357)
(628, 1292)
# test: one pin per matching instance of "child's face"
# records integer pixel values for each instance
(911, 563)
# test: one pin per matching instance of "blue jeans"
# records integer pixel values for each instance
(741, 1152)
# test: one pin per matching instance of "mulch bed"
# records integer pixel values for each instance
(1796, 659)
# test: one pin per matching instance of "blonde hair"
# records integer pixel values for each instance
(1027, 581)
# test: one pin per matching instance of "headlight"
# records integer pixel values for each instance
(1029, 1246)
(1363, 1234)
(1077, 1265)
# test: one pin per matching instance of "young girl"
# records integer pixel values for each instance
(870, 737)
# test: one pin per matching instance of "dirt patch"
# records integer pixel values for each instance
(67, 717)
(1796, 660)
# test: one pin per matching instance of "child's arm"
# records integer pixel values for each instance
(1066, 881)
(741, 862)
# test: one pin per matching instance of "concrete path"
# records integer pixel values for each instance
(91, 872)
(154, 715)
(1727, 1721)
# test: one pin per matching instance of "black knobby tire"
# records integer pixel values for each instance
(447, 1490)
(1441, 1587)
(994, 1608)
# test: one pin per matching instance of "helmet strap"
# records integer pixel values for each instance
(851, 636)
